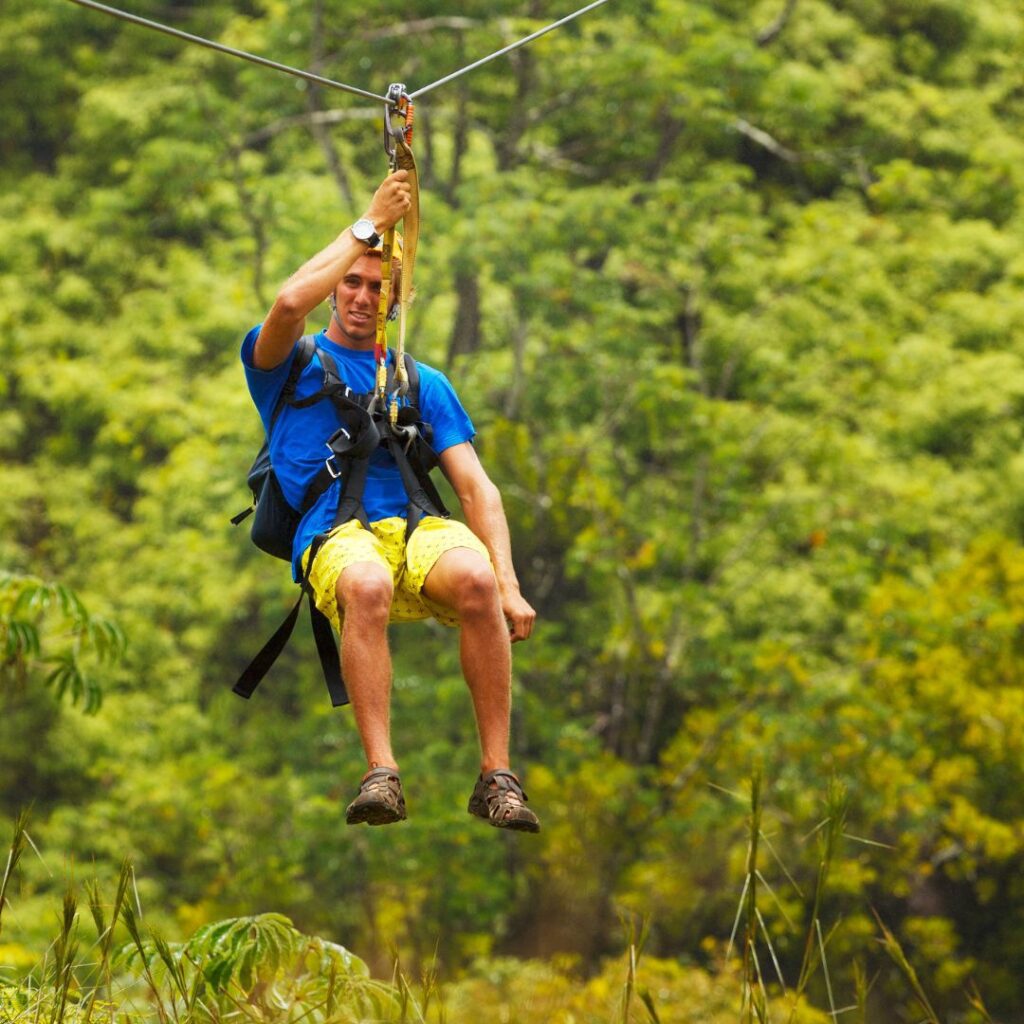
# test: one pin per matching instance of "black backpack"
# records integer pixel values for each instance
(360, 433)
(275, 521)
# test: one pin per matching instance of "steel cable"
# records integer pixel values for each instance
(319, 79)
(230, 50)
(506, 49)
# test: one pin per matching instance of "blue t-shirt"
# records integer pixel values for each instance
(298, 440)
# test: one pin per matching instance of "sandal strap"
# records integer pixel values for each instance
(504, 782)
(498, 797)
(380, 778)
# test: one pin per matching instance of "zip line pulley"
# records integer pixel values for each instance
(397, 101)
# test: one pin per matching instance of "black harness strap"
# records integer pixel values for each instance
(323, 635)
(423, 497)
(327, 649)
(269, 653)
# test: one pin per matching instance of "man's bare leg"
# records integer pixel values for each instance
(364, 592)
(462, 579)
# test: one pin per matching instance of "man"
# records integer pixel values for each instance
(362, 579)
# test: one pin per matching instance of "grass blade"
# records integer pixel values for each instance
(13, 856)
(896, 953)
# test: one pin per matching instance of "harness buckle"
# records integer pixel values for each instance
(331, 462)
(407, 433)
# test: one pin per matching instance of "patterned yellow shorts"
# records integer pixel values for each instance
(384, 544)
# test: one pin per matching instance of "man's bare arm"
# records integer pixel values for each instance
(485, 515)
(317, 278)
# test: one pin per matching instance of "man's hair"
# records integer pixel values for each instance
(396, 277)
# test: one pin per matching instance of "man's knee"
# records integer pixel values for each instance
(476, 592)
(365, 591)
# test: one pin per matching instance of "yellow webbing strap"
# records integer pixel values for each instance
(405, 161)
(380, 348)
(396, 143)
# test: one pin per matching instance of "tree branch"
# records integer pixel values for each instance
(553, 158)
(412, 28)
(311, 117)
(773, 30)
(761, 138)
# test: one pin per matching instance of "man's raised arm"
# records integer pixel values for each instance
(318, 278)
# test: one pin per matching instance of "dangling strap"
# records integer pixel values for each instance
(260, 665)
(327, 649)
(323, 634)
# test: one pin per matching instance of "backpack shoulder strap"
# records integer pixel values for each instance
(306, 348)
(329, 365)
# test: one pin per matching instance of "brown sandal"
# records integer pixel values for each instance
(380, 800)
(499, 798)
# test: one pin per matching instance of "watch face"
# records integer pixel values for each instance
(363, 230)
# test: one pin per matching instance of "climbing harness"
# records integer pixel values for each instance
(386, 417)
(364, 426)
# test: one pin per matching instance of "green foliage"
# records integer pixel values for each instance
(260, 963)
(733, 294)
(28, 606)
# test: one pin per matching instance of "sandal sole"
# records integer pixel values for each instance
(373, 814)
(517, 826)
(513, 825)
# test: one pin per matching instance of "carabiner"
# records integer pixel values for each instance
(398, 102)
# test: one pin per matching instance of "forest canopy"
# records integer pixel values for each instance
(733, 293)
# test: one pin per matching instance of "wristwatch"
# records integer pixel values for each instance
(364, 231)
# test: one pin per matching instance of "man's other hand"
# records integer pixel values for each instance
(519, 614)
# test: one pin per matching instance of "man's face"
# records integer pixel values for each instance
(357, 296)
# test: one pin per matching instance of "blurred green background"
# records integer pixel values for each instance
(733, 292)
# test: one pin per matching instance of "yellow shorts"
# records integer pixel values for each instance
(384, 544)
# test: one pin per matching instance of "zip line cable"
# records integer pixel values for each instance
(230, 50)
(506, 49)
(318, 79)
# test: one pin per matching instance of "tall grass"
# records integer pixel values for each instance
(896, 953)
(751, 935)
(261, 970)
(829, 832)
(13, 856)
(632, 987)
